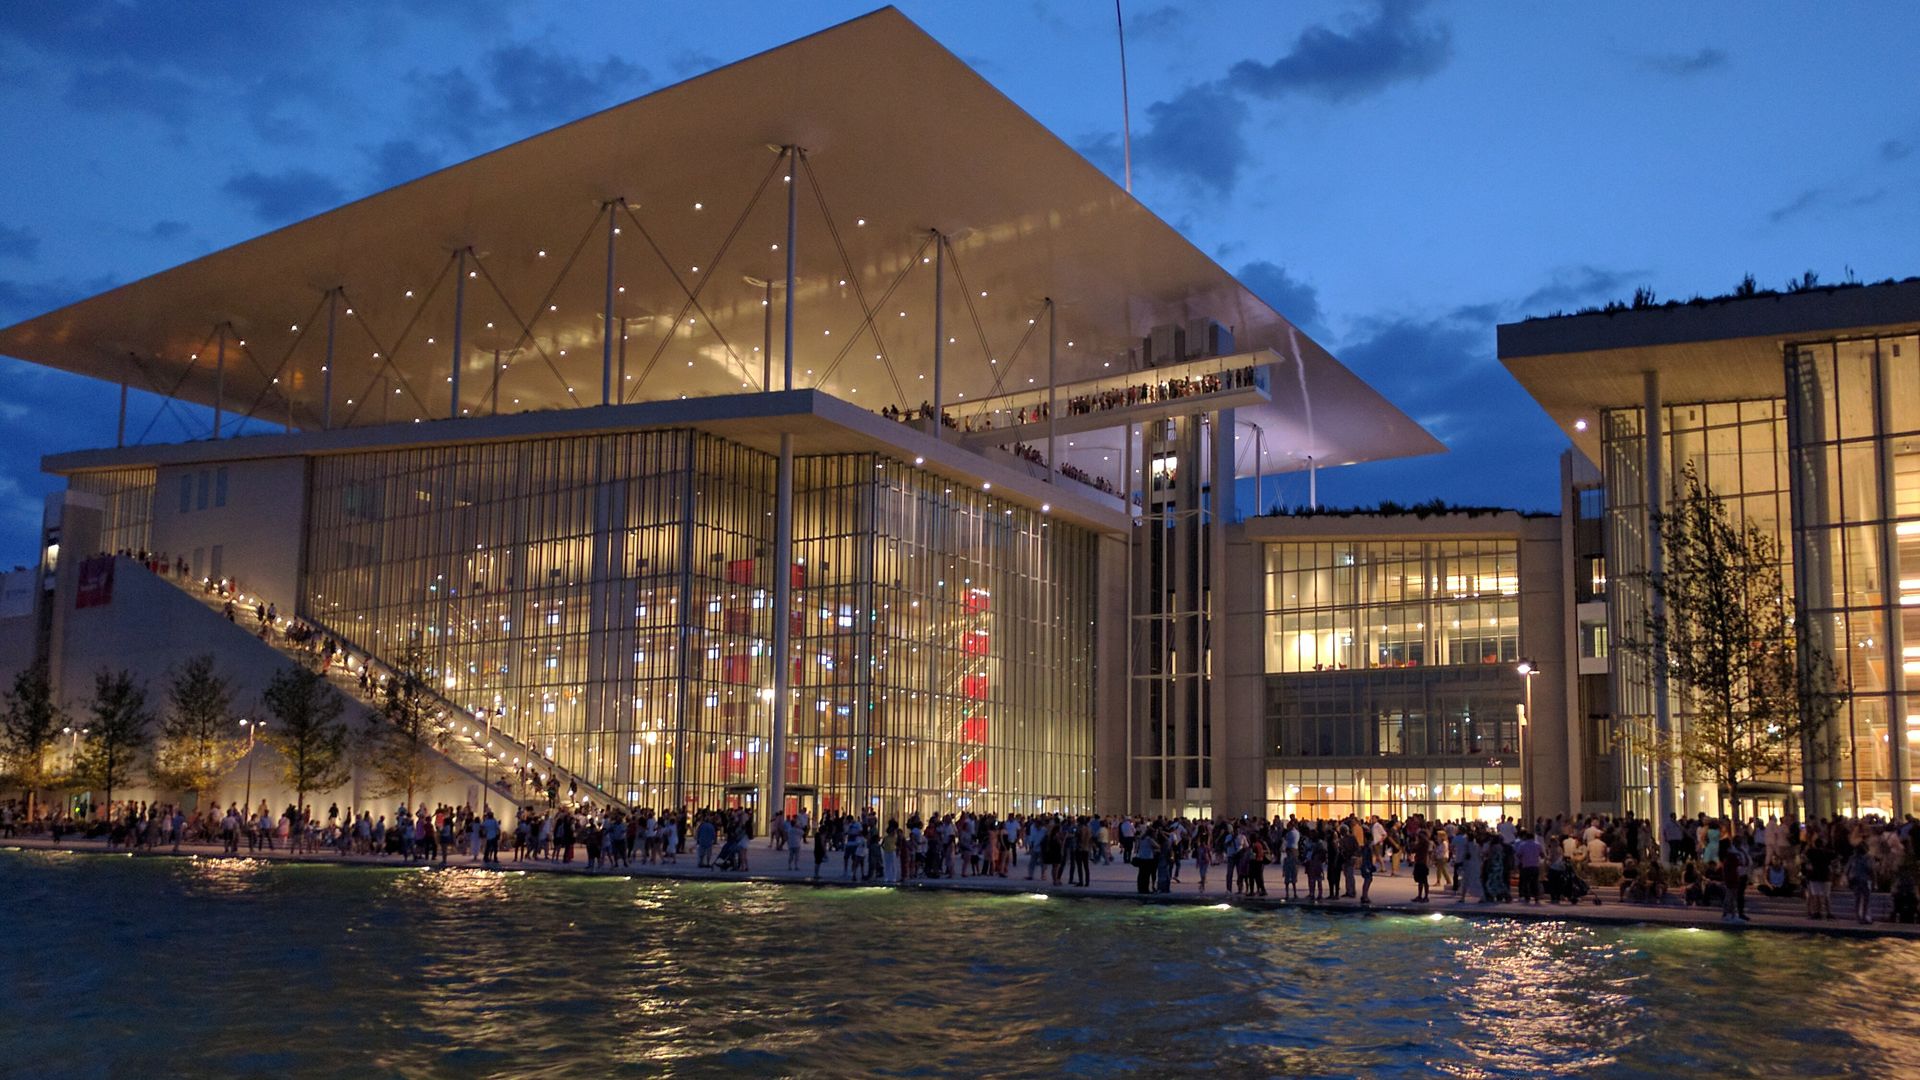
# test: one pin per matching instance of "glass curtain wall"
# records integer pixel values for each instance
(1389, 604)
(607, 601)
(1740, 451)
(1856, 522)
(126, 496)
(546, 583)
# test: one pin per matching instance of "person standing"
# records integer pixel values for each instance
(1527, 856)
(1140, 848)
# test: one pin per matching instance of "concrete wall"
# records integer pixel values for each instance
(1240, 673)
(150, 628)
(253, 534)
(1110, 678)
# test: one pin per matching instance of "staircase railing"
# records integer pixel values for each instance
(479, 747)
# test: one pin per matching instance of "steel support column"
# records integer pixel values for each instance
(120, 439)
(326, 366)
(459, 318)
(1053, 462)
(606, 321)
(219, 377)
(939, 336)
(783, 538)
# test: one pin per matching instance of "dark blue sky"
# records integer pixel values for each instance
(1397, 177)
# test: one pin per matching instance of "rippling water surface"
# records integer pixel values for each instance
(153, 967)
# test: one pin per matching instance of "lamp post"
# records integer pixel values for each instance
(253, 728)
(1527, 669)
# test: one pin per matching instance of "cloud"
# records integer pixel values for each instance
(1284, 293)
(518, 89)
(1895, 150)
(25, 299)
(1390, 45)
(167, 229)
(397, 161)
(1816, 200)
(1197, 136)
(20, 244)
(1441, 370)
(1573, 286)
(284, 196)
(1682, 65)
(123, 88)
(1161, 22)
(540, 87)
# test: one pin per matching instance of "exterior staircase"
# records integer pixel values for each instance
(483, 751)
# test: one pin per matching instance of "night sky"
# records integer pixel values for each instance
(1395, 177)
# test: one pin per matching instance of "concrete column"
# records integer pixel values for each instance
(1653, 433)
(782, 627)
(1898, 704)
(1213, 629)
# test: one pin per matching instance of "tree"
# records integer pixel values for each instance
(1749, 691)
(28, 729)
(409, 732)
(198, 742)
(118, 735)
(306, 731)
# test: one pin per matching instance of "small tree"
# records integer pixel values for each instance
(28, 728)
(409, 732)
(118, 735)
(1748, 690)
(198, 741)
(307, 732)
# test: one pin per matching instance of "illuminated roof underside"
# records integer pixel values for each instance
(900, 139)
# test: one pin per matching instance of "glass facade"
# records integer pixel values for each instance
(1391, 688)
(1855, 415)
(1739, 449)
(608, 601)
(1439, 793)
(126, 510)
(1391, 604)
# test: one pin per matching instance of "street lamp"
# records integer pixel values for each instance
(253, 728)
(1527, 669)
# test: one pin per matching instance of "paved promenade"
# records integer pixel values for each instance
(1392, 895)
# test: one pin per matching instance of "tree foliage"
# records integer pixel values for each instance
(199, 742)
(118, 734)
(1749, 691)
(29, 728)
(409, 731)
(306, 731)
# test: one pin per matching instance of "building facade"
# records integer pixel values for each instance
(1801, 411)
(1400, 656)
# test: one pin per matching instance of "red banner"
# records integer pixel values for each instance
(96, 582)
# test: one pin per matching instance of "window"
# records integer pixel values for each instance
(220, 486)
(206, 483)
(186, 492)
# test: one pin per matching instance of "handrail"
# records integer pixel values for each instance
(215, 600)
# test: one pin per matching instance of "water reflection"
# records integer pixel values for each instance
(467, 972)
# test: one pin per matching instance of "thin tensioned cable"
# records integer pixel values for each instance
(273, 377)
(193, 360)
(386, 354)
(859, 294)
(713, 266)
(879, 305)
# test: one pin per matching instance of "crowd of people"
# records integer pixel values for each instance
(1028, 452)
(1703, 862)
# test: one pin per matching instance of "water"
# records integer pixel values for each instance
(151, 967)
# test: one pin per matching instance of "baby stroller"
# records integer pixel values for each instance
(1577, 889)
